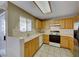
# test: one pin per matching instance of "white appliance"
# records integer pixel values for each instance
(54, 44)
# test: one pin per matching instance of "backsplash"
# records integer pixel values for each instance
(17, 33)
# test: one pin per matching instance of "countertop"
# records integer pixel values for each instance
(28, 38)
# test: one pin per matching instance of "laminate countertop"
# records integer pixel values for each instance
(28, 38)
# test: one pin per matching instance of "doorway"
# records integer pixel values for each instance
(2, 34)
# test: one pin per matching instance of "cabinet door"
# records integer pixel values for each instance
(38, 24)
(64, 42)
(43, 24)
(46, 39)
(32, 47)
(69, 23)
(36, 43)
(62, 23)
(26, 50)
(71, 44)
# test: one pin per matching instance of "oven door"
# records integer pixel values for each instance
(54, 38)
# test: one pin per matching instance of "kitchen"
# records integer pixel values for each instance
(27, 34)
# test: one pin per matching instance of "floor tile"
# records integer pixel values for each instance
(50, 51)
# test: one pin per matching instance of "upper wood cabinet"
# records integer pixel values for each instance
(38, 24)
(46, 39)
(43, 24)
(68, 23)
(62, 22)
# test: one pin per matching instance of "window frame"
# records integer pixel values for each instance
(26, 24)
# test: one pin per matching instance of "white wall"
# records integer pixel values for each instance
(67, 32)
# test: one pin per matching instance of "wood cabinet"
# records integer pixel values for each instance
(68, 23)
(64, 42)
(62, 23)
(71, 44)
(43, 24)
(31, 47)
(67, 42)
(27, 49)
(38, 24)
(46, 39)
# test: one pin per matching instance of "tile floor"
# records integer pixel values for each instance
(50, 51)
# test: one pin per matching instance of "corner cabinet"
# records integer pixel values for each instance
(31, 47)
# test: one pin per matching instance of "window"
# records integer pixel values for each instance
(76, 26)
(29, 25)
(22, 24)
(25, 24)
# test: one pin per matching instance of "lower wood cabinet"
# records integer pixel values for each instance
(71, 44)
(67, 42)
(46, 39)
(64, 42)
(31, 47)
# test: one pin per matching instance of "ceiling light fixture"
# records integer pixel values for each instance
(44, 6)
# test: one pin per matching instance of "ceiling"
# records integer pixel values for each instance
(1, 6)
(59, 9)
